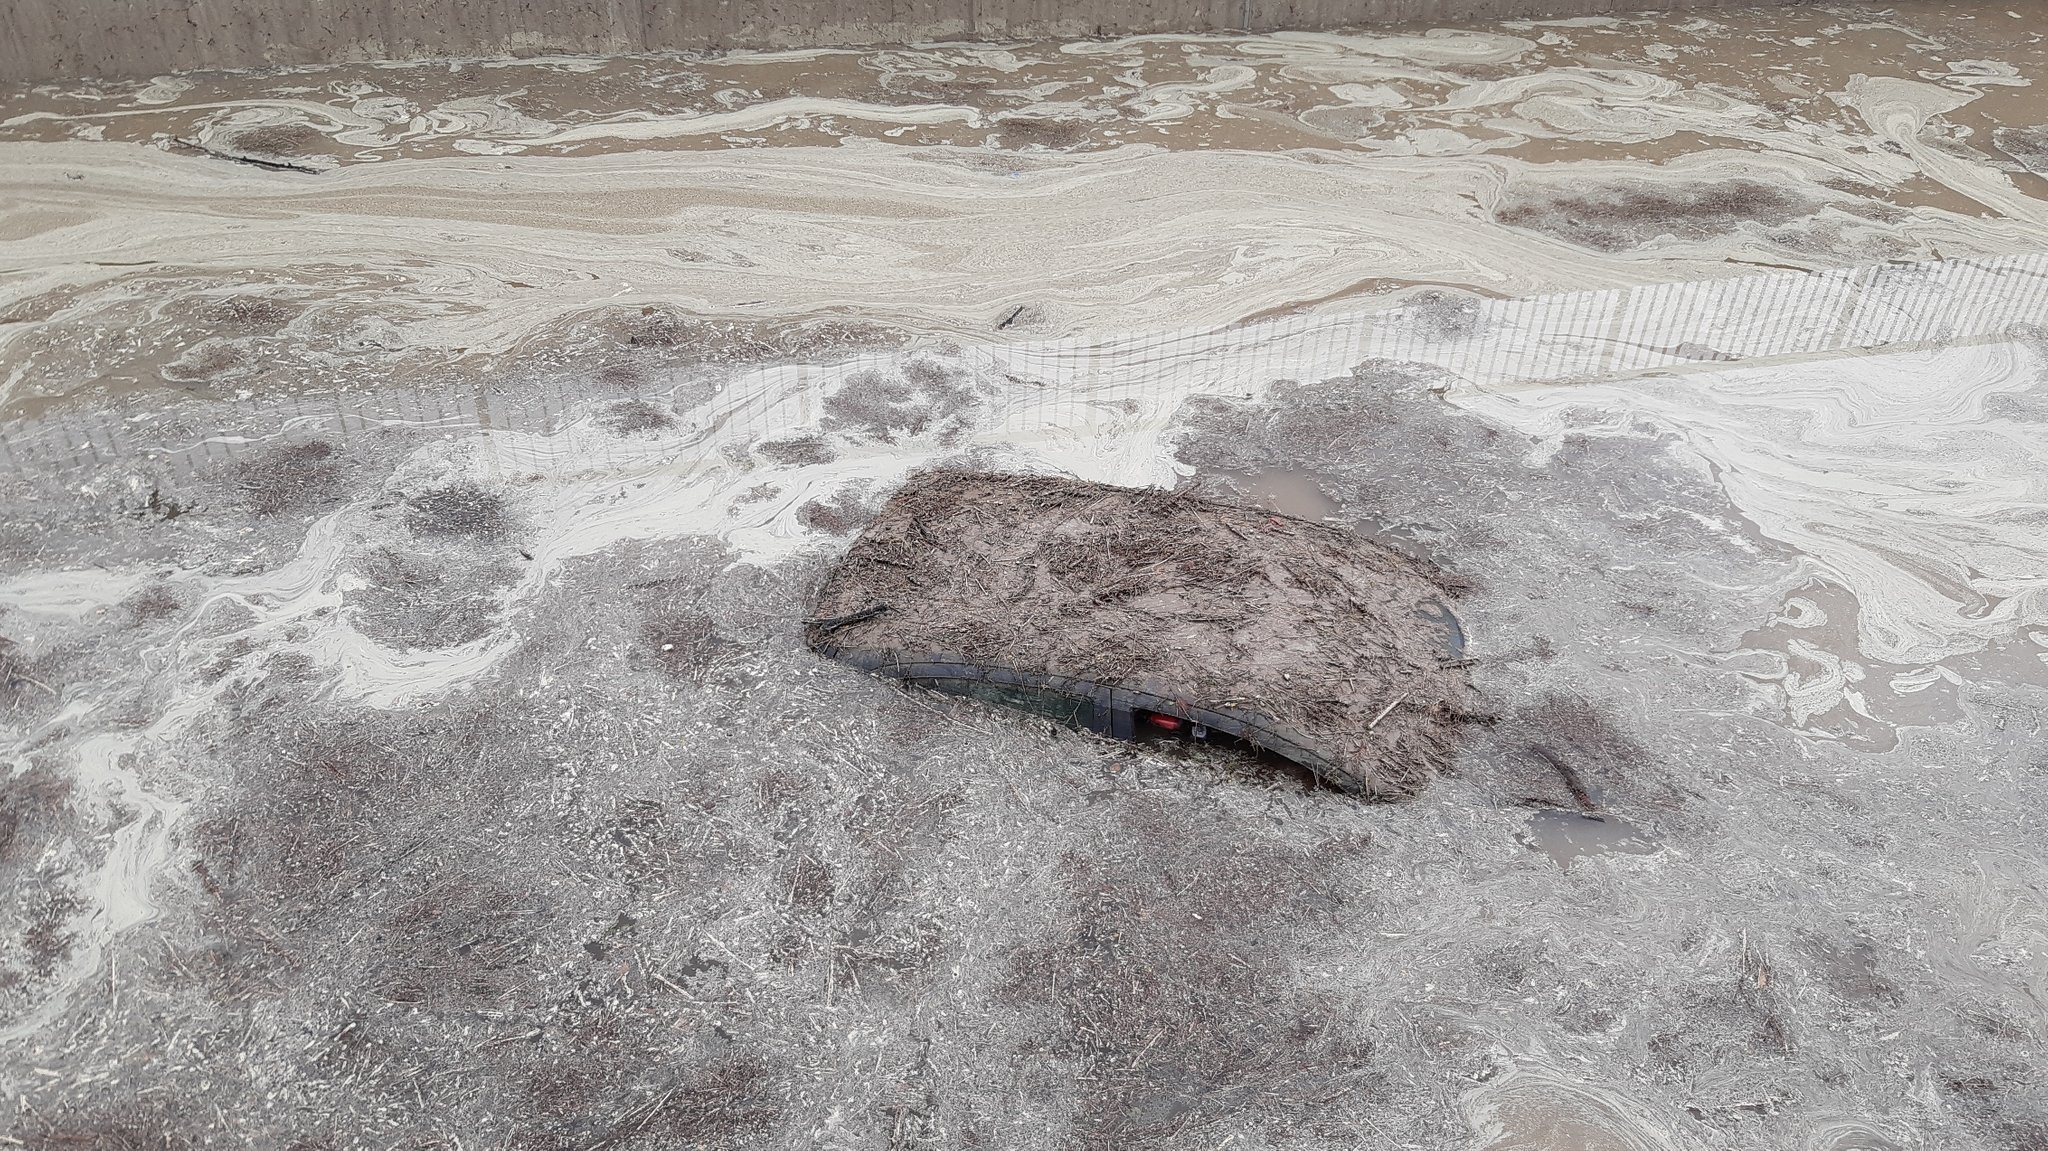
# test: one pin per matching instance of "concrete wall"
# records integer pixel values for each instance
(53, 39)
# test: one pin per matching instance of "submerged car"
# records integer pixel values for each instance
(1123, 610)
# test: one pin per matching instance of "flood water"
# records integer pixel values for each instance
(416, 474)
(1567, 835)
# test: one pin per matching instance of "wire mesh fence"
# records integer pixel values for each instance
(1090, 397)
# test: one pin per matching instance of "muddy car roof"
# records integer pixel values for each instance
(1304, 639)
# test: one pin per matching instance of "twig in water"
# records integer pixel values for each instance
(834, 623)
(1573, 782)
(238, 158)
(1391, 705)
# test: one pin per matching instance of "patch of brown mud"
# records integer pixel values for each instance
(1040, 131)
(288, 478)
(1628, 214)
(38, 821)
(682, 641)
(306, 880)
(1567, 150)
(284, 141)
(720, 1103)
(148, 1125)
(2027, 146)
(803, 451)
(844, 514)
(1165, 992)
(927, 396)
(727, 341)
(251, 312)
(462, 510)
(207, 361)
(32, 806)
(635, 417)
(1725, 1021)
(1440, 314)
(426, 600)
(23, 676)
(155, 602)
(1570, 754)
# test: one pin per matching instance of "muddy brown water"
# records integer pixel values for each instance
(1294, 494)
(1568, 836)
(638, 854)
(1297, 91)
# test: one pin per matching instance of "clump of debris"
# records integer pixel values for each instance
(1130, 611)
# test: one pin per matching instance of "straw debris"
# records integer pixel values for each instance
(1334, 645)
